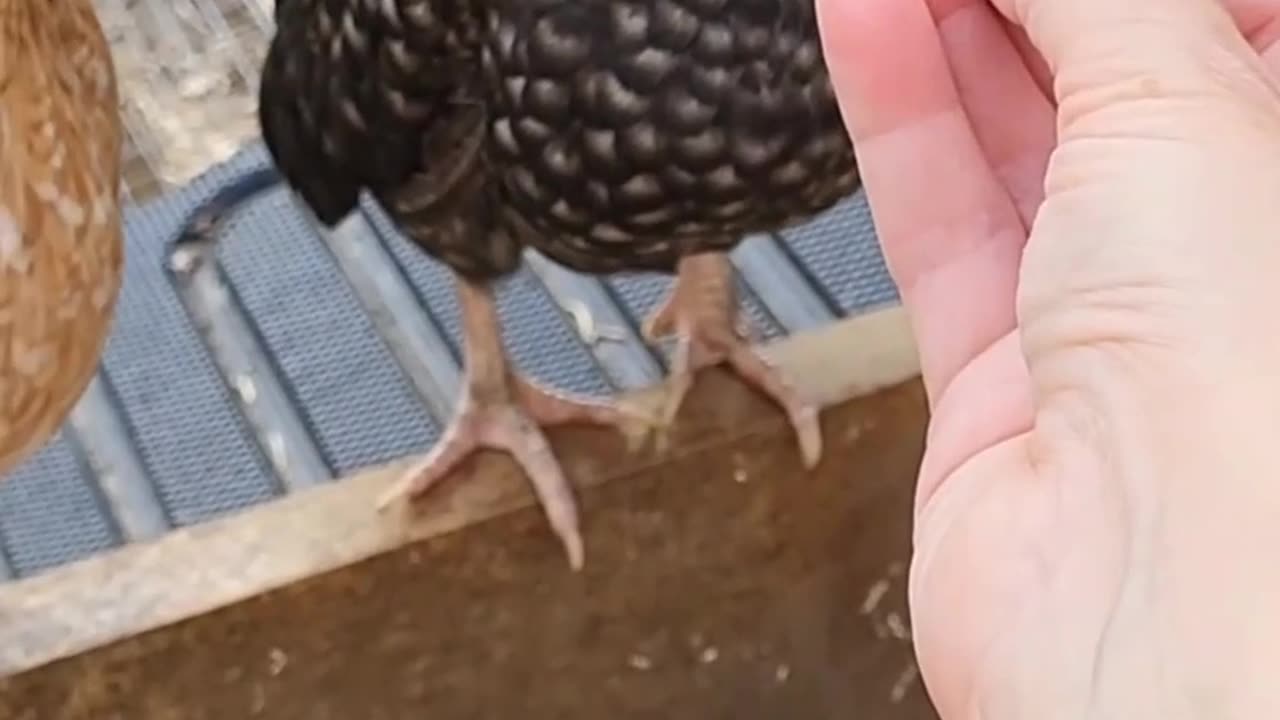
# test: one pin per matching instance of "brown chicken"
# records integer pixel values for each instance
(61, 254)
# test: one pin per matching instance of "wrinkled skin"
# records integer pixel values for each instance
(1091, 285)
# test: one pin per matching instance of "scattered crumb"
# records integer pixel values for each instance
(739, 470)
(194, 87)
(903, 683)
(709, 655)
(246, 388)
(585, 323)
(279, 451)
(184, 261)
(257, 700)
(852, 432)
(782, 673)
(897, 627)
(277, 661)
(875, 594)
(640, 662)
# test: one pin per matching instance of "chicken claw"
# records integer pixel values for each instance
(501, 410)
(702, 312)
(514, 426)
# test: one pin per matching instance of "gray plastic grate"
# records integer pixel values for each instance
(48, 512)
(842, 256)
(195, 444)
(332, 360)
(322, 342)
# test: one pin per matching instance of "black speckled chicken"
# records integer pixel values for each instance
(611, 135)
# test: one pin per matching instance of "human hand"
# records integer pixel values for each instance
(1092, 278)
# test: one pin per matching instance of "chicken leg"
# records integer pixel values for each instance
(702, 311)
(500, 409)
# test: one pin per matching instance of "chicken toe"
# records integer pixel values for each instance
(501, 410)
(514, 426)
(702, 312)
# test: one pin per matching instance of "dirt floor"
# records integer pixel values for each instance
(188, 72)
(723, 584)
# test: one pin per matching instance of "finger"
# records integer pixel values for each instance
(1102, 50)
(1030, 57)
(951, 236)
(1011, 117)
(1259, 20)
(863, 42)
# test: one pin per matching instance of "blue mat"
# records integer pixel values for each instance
(304, 355)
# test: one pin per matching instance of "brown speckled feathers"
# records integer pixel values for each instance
(610, 134)
(61, 254)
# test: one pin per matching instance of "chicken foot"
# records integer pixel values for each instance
(501, 410)
(702, 312)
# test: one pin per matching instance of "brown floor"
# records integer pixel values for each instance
(724, 584)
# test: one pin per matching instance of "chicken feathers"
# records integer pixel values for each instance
(633, 133)
(626, 134)
(610, 135)
(387, 97)
(61, 252)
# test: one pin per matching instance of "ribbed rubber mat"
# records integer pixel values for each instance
(170, 435)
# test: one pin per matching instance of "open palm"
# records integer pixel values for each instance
(1027, 524)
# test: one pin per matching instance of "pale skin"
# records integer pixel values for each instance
(1081, 204)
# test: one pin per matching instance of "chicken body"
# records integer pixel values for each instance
(610, 135)
(61, 252)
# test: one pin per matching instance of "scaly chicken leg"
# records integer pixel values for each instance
(702, 311)
(501, 410)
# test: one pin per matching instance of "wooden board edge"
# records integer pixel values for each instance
(131, 590)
